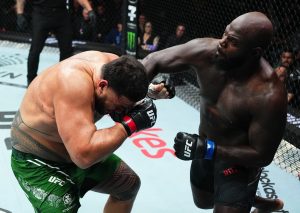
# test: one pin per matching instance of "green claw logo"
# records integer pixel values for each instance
(131, 40)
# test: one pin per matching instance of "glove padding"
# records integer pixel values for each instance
(142, 116)
(92, 17)
(168, 84)
(117, 116)
(190, 146)
(22, 23)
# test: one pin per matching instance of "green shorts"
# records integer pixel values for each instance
(56, 187)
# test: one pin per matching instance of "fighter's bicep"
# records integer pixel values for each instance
(194, 52)
(265, 132)
(173, 59)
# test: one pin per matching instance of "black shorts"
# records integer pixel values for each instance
(233, 186)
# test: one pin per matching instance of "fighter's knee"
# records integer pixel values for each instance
(203, 204)
(133, 186)
(203, 200)
(136, 186)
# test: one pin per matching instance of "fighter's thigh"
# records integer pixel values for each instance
(47, 187)
(113, 176)
(235, 187)
(201, 177)
(228, 209)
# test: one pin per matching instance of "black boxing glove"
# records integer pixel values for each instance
(142, 116)
(117, 116)
(190, 146)
(92, 17)
(22, 23)
(168, 83)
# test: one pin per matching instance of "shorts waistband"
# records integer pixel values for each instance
(22, 155)
(29, 156)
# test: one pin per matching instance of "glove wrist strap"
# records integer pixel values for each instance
(210, 149)
(129, 125)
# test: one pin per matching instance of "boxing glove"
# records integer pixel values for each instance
(142, 116)
(117, 116)
(168, 83)
(190, 146)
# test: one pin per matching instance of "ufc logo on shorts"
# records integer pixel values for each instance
(187, 148)
(56, 180)
(151, 116)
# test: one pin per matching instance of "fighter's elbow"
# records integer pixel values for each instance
(81, 162)
(82, 165)
(82, 158)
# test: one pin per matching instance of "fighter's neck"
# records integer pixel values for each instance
(245, 70)
(96, 76)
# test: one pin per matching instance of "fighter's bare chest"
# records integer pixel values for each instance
(225, 109)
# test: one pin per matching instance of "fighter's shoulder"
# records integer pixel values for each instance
(74, 72)
(95, 56)
(111, 56)
(272, 81)
(206, 41)
(269, 93)
(201, 46)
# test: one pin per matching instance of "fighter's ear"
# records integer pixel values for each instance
(257, 52)
(102, 84)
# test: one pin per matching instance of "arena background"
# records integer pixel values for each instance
(202, 18)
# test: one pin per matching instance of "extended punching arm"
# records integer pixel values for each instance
(177, 58)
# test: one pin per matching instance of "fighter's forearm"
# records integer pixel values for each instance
(102, 144)
(85, 4)
(243, 155)
(163, 62)
(20, 6)
(151, 65)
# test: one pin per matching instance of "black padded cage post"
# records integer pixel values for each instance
(130, 31)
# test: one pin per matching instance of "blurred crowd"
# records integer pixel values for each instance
(107, 28)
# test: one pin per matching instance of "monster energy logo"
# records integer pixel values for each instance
(131, 40)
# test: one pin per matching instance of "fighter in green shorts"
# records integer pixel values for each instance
(58, 153)
(56, 187)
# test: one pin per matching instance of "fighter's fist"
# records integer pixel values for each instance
(161, 87)
(142, 116)
(190, 146)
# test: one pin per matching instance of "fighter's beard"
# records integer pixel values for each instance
(99, 107)
(227, 64)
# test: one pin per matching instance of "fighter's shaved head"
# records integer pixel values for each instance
(256, 27)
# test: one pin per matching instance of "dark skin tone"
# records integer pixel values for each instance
(243, 103)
